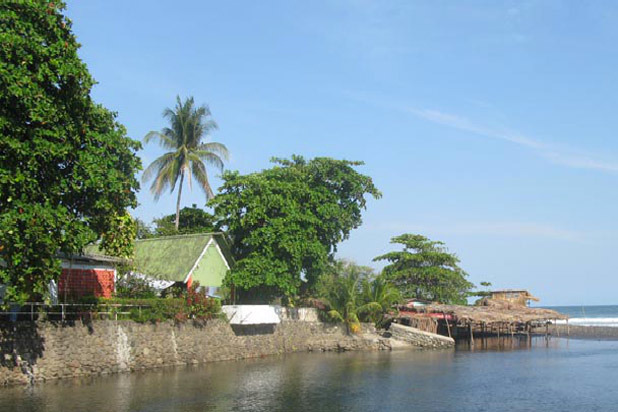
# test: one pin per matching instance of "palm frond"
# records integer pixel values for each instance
(335, 316)
(157, 165)
(216, 148)
(210, 158)
(165, 140)
(200, 174)
(167, 175)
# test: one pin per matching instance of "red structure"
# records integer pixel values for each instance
(87, 275)
(97, 282)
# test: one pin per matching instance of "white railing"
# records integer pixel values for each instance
(64, 310)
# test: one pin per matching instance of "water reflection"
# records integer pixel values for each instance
(494, 374)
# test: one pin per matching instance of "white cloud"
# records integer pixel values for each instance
(462, 123)
(566, 157)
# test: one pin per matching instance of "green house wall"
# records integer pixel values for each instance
(211, 269)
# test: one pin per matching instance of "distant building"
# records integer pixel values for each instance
(515, 296)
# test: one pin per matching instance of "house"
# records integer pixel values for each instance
(88, 274)
(516, 296)
(184, 259)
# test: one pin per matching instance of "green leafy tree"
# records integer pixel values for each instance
(189, 125)
(66, 165)
(191, 220)
(424, 269)
(287, 221)
(142, 229)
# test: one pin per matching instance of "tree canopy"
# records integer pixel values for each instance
(191, 220)
(286, 221)
(424, 269)
(66, 165)
(188, 155)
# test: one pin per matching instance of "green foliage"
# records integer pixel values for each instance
(352, 294)
(190, 305)
(129, 286)
(378, 297)
(142, 229)
(119, 239)
(483, 293)
(66, 166)
(192, 220)
(424, 269)
(288, 220)
(188, 155)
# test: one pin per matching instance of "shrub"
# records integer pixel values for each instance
(130, 286)
(200, 305)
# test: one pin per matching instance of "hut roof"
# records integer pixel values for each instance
(490, 311)
(522, 292)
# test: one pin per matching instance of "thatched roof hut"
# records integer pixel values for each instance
(493, 311)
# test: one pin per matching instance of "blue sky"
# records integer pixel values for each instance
(488, 125)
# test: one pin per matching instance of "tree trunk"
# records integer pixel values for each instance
(182, 177)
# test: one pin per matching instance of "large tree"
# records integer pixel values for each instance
(188, 155)
(66, 166)
(287, 221)
(424, 269)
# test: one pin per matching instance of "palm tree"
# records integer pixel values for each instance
(352, 294)
(188, 156)
(378, 297)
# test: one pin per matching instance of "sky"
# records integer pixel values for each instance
(488, 125)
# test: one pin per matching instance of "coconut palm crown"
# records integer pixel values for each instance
(188, 155)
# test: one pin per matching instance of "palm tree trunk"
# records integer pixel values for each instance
(182, 177)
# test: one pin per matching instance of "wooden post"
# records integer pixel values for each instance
(448, 328)
(568, 331)
(556, 328)
(471, 334)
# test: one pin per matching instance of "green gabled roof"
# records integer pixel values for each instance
(170, 257)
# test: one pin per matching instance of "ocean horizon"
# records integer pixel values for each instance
(588, 315)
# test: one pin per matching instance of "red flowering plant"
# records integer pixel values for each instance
(200, 305)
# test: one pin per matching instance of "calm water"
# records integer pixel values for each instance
(566, 376)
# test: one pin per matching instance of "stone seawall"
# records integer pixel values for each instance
(419, 338)
(32, 351)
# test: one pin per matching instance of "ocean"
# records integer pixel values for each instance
(600, 315)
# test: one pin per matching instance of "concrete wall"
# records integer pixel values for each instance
(419, 338)
(31, 351)
(267, 314)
